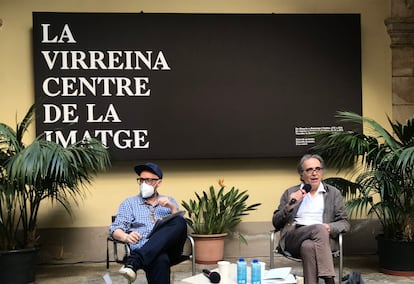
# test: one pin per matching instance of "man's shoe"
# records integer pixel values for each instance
(128, 272)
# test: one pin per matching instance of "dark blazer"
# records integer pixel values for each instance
(334, 214)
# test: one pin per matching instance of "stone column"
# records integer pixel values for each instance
(400, 27)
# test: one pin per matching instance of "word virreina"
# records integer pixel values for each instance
(105, 60)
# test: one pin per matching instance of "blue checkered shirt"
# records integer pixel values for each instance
(134, 214)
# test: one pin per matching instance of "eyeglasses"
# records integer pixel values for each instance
(147, 180)
(312, 170)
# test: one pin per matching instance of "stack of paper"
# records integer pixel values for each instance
(279, 275)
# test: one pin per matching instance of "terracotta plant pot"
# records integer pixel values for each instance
(209, 248)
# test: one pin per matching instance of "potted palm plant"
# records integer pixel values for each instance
(381, 184)
(30, 174)
(212, 215)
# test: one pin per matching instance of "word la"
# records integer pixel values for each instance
(64, 37)
(67, 114)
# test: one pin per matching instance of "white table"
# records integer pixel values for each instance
(202, 279)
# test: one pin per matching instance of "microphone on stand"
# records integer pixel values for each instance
(213, 276)
(307, 187)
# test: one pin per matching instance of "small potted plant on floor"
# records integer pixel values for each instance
(29, 175)
(212, 215)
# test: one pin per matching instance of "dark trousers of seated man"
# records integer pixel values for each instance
(163, 249)
(312, 244)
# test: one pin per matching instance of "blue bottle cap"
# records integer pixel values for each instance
(241, 259)
(255, 260)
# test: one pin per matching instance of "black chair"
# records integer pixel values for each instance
(274, 249)
(125, 247)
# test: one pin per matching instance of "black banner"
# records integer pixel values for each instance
(182, 86)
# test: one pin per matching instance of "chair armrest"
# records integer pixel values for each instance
(111, 239)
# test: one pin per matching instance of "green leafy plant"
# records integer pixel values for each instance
(43, 170)
(381, 168)
(217, 211)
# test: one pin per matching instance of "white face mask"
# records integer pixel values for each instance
(146, 190)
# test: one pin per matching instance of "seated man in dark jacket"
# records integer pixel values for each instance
(309, 216)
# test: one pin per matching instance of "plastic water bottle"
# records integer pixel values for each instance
(241, 271)
(256, 272)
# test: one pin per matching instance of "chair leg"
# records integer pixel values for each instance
(341, 267)
(107, 255)
(193, 264)
(272, 249)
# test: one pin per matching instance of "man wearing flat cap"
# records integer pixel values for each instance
(135, 220)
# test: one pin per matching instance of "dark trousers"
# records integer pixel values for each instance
(163, 249)
(312, 245)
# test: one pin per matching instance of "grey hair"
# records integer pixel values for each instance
(306, 157)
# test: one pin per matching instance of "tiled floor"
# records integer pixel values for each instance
(94, 272)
